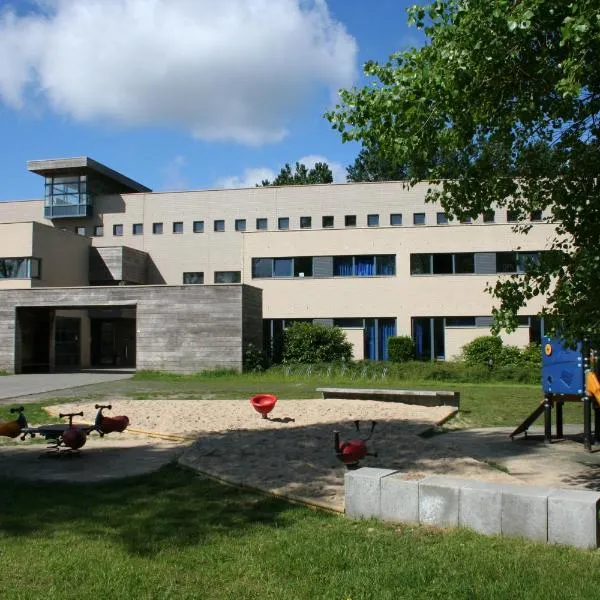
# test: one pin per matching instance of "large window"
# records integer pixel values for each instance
(297, 266)
(228, 277)
(364, 266)
(460, 263)
(196, 277)
(67, 197)
(19, 268)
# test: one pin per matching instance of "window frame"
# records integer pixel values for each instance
(198, 227)
(326, 220)
(118, 230)
(137, 229)
(417, 217)
(198, 274)
(177, 227)
(240, 225)
(283, 223)
(219, 226)
(349, 220)
(373, 220)
(157, 228)
(392, 215)
(305, 222)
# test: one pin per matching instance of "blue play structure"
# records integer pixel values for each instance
(568, 375)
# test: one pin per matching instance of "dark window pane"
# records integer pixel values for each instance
(420, 264)
(512, 216)
(219, 225)
(198, 227)
(303, 266)
(536, 215)
(386, 264)
(178, 227)
(419, 218)
(489, 216)
(98, 231)
(240, 224)
(228, 276)
(349, 322)
(396, 219)
(466, 220)
(118, 230)
(138, 229)
(157, 228)
(262, 267)
(464, 262)
(282, 267)
(460, 321)
(526, 259)
(81, 230)
(193, 278)
(305, 222)
(442, 218)
(373, 220)
(261, 224)
(350, 220)
(442, 264)
(327, 221)
(506, 262)
(283, 223)
(342, 266)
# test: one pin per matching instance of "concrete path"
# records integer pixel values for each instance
(21, 386)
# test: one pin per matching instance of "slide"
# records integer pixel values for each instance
(526, 424)
(592, 386)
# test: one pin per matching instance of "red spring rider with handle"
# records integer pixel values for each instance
(353, 451)
(104, 424)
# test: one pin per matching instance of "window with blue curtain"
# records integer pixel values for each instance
(370, 340)
(364, 266)
(342, 266)
(387, 329)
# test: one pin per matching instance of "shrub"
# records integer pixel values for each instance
(480, 350)
(401, 349)
(312, 343)
(510, 355)
(254, 359)
(532, 355)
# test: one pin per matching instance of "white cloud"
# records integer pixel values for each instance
(337, 169)
(251, 177)
(223, 70)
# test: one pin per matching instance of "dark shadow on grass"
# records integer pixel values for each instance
(146, 514)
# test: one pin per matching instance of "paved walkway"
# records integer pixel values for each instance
(21, 386)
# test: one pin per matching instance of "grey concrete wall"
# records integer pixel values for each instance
(182, 329)
(118, 263)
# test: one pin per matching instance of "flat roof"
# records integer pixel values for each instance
(83, 164)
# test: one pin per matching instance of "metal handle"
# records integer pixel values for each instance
(19, 409)
(100, 406)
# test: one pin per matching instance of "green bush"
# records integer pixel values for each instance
(312, 343)
(483, 349)
(510, 355)
(401, 349)
(254, 359)
(532, 355)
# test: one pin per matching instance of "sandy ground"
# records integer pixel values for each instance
(292, 452)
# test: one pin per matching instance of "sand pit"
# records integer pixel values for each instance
(292, 452)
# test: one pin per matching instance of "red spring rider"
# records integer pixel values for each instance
(353, 451)
(74, 437)
(104, 424)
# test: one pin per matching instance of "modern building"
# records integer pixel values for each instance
(105, 272)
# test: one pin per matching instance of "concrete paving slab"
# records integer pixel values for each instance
(20, 386)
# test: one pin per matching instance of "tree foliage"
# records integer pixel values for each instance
(401, 349)
(372, 165)
(302, 175)
(504, 99)
(312, 343)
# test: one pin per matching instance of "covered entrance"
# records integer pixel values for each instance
(68, 339)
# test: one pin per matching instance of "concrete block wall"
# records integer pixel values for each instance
(181, 329)
(565, 516)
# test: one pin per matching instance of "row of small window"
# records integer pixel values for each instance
(20, 268)
(197, 277)
(488, 216)
(283, 223)
(325, 266)
(460, 263)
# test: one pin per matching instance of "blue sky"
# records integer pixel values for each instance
(183, 94)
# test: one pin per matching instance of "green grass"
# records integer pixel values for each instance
(173, 535)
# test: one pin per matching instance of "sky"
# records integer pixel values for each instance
(184, 94)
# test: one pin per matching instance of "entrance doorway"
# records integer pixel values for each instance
(113, 342)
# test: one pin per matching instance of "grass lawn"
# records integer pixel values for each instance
(174, 535)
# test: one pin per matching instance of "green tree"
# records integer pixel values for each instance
(504, 98)
(313, 343)
(302, 175)
(372, 165)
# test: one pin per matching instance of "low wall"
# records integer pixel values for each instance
(543, 514)
(421, 397)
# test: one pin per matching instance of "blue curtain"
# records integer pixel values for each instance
(387, 329)
(419, 338)
(342, 266)
(364, 266)
(371, 340)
